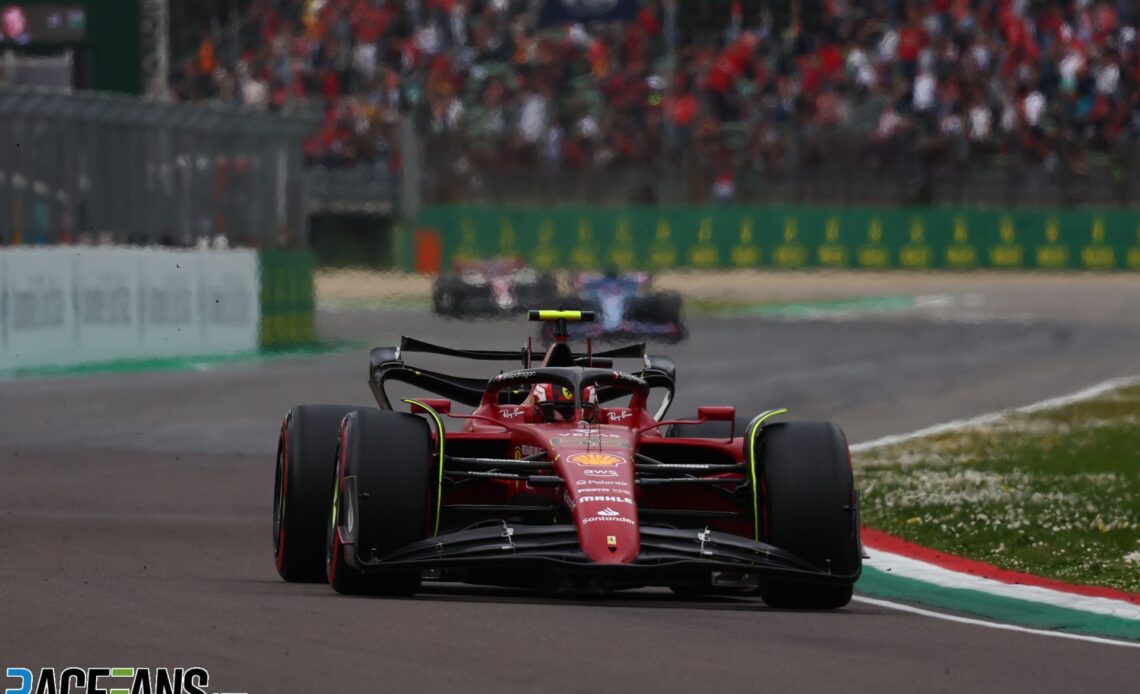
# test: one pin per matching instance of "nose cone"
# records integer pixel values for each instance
(607, 530)
(599, 477)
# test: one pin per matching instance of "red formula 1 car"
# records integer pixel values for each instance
(561, 479)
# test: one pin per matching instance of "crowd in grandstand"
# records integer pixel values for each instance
(1045, 80)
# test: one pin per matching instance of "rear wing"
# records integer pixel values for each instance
(411, 344)
(524, 355)
(387, 364)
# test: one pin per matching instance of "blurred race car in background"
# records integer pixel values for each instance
(490, 287)
(626, 306)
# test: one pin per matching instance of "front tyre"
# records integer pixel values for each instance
(389, 455)
(809, 508)
(305, 454)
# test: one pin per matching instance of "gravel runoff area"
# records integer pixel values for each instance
(1081, 297)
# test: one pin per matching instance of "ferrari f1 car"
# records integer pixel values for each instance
(489, 287)
(561, 479)
(626, 306)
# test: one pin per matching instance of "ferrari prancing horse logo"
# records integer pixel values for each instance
(596, 459)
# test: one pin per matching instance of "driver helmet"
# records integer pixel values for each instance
(556, 403)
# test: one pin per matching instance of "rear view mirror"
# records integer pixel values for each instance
(716, 413)
(719, 413)
(440, 405)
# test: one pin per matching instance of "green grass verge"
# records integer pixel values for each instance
(1053, 493)
(796, 309)
(369, 304)
(188, 363)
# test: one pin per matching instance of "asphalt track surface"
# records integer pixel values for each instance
(135, 527)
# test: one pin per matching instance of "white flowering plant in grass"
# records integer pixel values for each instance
(1055, 493)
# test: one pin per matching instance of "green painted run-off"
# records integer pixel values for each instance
(196, 363)
(995, 607)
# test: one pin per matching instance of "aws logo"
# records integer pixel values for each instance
(596, 459)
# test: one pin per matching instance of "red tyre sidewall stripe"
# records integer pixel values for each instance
(877, 539)
(284, 493)
(340, 483)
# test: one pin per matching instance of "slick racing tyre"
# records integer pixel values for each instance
(658, 307)
(542, 293)
(306, 452)
(547, 288)
(445, 296)
(545, 292)
(390, 456)
(808, 508)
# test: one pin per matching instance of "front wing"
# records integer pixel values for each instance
(664, 552)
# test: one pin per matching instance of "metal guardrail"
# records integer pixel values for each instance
(147, 172)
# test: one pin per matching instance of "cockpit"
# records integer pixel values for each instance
(567, 393)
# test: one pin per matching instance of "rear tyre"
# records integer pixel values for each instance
(809, 508)
(658, 307)
(543, 293)
(670, 307)
(547, 288)
(445, 296)
(306, 452)
(390, 455)
(671, 313)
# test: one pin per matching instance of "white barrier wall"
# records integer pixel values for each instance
(67, 305)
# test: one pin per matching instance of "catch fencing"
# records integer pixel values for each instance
(124, 170)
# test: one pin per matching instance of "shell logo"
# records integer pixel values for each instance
(596, 459)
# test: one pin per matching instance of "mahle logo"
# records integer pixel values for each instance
(110, 680)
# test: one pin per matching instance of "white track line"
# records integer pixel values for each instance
(982, 420)
(992, 625)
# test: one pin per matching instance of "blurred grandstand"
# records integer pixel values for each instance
(275, 121)
(923, 101)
